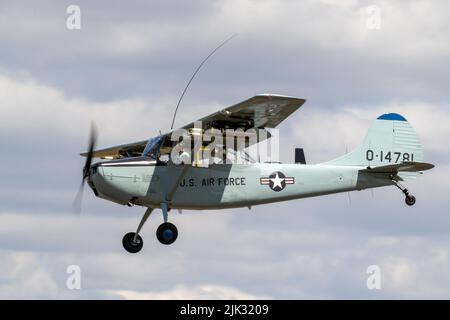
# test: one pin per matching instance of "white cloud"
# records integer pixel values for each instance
(29, 107)
(181, 292)
(236, 259)
(24, 276)
(405, 33)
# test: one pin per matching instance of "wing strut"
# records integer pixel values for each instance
(175, 185)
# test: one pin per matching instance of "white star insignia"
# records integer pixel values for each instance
(277, 181)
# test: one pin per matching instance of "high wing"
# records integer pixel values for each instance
(259, 112)
(120, 151)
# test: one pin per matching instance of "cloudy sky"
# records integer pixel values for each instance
(125, 69)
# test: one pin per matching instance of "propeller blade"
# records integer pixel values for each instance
(87, 166)
(91, 147)
(76, 205)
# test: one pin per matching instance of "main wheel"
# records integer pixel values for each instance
(167, 233)
(410, 200)
(130, 245)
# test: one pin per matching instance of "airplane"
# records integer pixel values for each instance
(145, 173)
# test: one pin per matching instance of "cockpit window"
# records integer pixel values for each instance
(152, 149)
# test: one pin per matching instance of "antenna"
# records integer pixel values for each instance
(195, 73)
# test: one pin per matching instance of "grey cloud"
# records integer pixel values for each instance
(331, 59)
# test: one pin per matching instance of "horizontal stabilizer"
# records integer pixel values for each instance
(400, 167)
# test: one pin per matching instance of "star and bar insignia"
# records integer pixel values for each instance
(277, 181)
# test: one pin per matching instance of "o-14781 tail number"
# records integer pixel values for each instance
(389, 156)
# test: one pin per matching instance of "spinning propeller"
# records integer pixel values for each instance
(86, 169)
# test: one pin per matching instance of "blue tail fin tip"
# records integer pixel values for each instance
(392, 116)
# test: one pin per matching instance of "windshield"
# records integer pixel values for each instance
(152, 149)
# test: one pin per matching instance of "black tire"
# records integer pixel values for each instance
(130, 245)
(410, 200)
(167, 233)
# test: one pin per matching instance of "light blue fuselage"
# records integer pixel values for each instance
(224, 186)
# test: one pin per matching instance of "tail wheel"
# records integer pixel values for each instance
(130, 244)
(167, 233)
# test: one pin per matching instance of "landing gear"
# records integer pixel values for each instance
(131, 244)
(410, 200)
(167, 233)
(132, 241)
